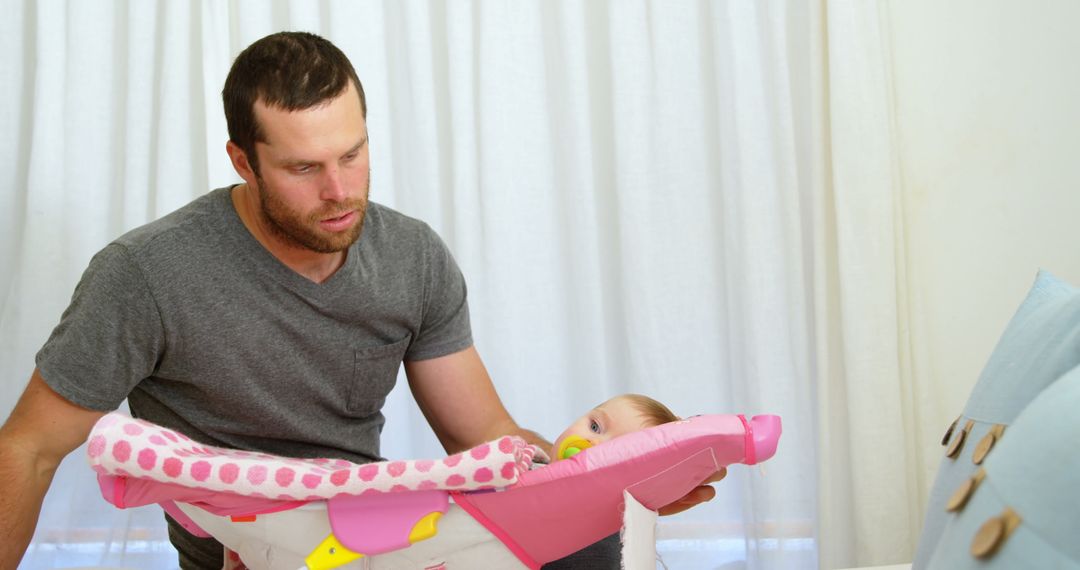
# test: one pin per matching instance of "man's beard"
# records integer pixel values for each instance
(303, 230)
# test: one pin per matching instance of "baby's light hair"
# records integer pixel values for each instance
(655, 413)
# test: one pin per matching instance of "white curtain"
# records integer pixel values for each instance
(692, 200)
(871, 460)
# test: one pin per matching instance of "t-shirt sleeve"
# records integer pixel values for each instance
(445, 328)
(109, 338)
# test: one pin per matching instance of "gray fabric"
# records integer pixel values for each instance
(605, 554)
(205, 332)
(195, 553)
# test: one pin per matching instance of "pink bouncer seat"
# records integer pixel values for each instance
(480, 508)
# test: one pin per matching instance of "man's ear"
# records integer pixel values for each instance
(240, 162)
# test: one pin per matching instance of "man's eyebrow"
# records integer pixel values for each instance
(297, 162)
(305, 162)
(357, 146)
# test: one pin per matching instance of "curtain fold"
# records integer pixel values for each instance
(693, 200)
(870, 498)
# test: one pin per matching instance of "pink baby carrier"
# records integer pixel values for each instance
(483, 508)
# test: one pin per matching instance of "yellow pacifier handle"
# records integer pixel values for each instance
(330, 554)
(572, 446)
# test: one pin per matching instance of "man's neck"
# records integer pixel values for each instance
(311, 265)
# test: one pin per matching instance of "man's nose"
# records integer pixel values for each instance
(333, 187)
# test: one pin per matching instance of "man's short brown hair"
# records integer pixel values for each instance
(287, 70)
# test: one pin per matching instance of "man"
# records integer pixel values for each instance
(271, 315)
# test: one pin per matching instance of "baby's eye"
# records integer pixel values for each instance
(594, 426)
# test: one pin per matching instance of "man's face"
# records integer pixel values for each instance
(314, 175)
(609, 420)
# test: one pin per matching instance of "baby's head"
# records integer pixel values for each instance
(617, 416)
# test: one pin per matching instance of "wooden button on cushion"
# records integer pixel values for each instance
(987, 443)
(958, 441)
(990, 536)
(964, 492)
(992, 533)
(948, 432)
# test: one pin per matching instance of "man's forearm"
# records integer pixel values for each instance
(42, 429)
(24, 481)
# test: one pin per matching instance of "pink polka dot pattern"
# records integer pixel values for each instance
(121, 450)
(396, 468)
(95, 447)
(200, 470)
(338, 478)
(173, 467)
(256, 474)
(480, 451)
(368, 472)
(311, 481)
(424, 465)
(147, 458)
(483, 475)
(284, 476)
(508, 470)
(228, 473)
(452, 461)
(163, 455)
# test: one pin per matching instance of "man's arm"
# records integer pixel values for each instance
(41, 430)
(458, 399)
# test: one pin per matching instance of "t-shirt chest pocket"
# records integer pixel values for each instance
(375, 371)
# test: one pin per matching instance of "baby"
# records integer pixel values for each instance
(620, 415)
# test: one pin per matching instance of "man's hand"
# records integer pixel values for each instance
(696, 496)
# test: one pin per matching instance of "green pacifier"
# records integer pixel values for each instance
(572, 446)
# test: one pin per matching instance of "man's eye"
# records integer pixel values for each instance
(303, 169)
(594, 426)
(351, 156)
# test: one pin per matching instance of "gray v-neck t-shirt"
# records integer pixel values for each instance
(205, 332)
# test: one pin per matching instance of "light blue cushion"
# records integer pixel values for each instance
(1034, 470)
(1040, 343)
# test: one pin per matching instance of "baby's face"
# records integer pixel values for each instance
(606, 421)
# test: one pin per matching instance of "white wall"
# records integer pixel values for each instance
(987, 94)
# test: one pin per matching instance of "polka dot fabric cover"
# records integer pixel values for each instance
(127, 447)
